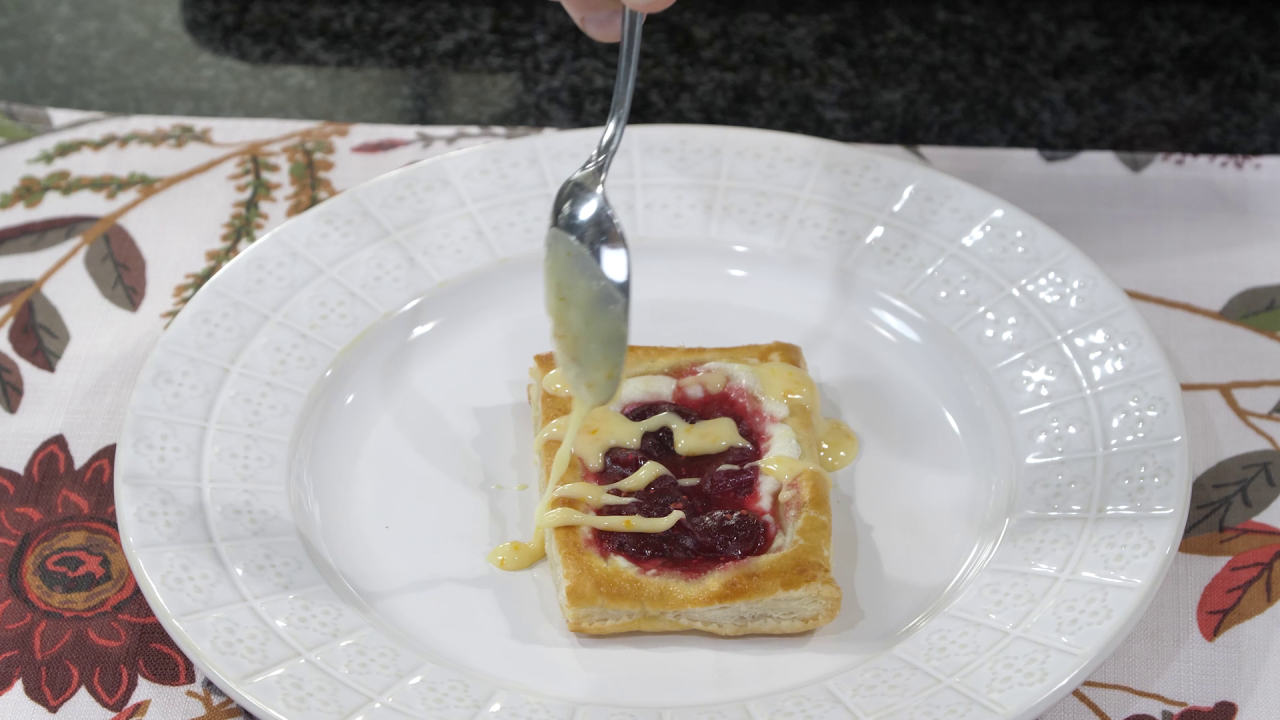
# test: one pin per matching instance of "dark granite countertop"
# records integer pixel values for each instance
(1178, 75)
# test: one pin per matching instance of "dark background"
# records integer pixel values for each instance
(1172, 75)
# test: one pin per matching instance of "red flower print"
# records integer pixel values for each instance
(71, 614)
(1221, 710)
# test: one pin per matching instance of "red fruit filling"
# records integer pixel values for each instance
(723, 517)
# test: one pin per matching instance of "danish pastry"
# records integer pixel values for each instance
(698, 499)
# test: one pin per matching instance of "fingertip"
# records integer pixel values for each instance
(601, 20)
(648, 6)
(602, 25)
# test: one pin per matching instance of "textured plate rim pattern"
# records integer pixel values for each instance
(201, 482)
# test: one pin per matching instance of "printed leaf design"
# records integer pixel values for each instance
(11, 130)
(1136, 161)
(1248, 535)
(380, 146)
(216, 704)
(136, 711)
(915, 150)
(42, 234)
(307, 167)
(38, 334)
(19, 122)
(479, 132)
(117, 267)
(11, 386)
(10, 289)
(1221, 710)
(247, 219)
(176, 136)
(1239, 162)
(30, 190)
(1057, 155)
(1257, 307)
(1233, 491)
(1242, 590)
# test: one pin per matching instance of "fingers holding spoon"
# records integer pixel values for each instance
(602, 19)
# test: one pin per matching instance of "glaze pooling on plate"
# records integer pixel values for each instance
(210, 434)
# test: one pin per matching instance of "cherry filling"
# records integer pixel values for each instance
(724, 519)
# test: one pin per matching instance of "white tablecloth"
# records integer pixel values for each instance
(163, 202)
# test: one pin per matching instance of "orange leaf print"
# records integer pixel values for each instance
(1248, 535)
(136, 711)
(1241, 590)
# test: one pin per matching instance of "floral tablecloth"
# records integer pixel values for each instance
(109, 225)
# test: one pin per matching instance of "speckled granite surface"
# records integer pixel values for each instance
(1176, 75)
(1192, 76)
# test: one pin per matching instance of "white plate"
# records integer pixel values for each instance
(306, 494)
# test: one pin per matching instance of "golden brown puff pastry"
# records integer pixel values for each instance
(786, 589)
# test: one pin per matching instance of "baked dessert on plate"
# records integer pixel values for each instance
(698, 499)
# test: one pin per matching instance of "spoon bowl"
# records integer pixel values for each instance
(588, 266)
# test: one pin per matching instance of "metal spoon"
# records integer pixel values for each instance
(588, 267)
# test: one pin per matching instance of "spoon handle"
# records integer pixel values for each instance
(628, 61)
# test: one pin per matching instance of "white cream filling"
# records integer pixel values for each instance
(781, 441)
(644, 389)
(767, 487)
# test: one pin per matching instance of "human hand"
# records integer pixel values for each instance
(602, 19)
